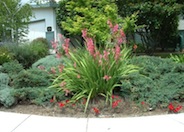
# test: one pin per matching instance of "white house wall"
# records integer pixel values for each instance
(43, 18)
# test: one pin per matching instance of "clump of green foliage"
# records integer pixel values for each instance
(32, 78)
(157, 83)
(11, 68)
(6, 99)
(5, 55)
(37, 95)
(41, 40)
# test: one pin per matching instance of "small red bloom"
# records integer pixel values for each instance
(52, 100)
(106, 77)
(96, 110)
(67, 101)
(171, 107)
(115, 97)
(142, 102)
(61, 104)
(178, 108)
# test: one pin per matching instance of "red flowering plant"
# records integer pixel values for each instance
(91, 72)
(174, 108)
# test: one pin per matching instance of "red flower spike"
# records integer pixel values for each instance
(142, 102)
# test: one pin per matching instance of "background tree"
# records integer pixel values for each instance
(160, 18)
(73, 16)
(14, 18)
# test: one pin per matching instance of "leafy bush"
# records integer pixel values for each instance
(39, 49)
(74, 16)
(48, 62)
(177, 58)
(41, 40)
(92, 72)
(37, 95)
(11, 68)
(157, 83)
(31, 78)
(27, 54)
(6, 98)
(4, 79)
(5, 55)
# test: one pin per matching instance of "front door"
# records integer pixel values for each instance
(50, 37)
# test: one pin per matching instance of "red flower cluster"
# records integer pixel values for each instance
(115, 103)
(173, 109)
(96, 110)
(61, 104)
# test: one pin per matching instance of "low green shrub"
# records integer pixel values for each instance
(11, 68)
(32, 78)
(48, 62)
(37, 95)
(27, 54)
(41, 40)
(157, 83)
(5, 55)
(6, 98)
(39, 49)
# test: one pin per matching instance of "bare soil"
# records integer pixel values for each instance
(124, 109)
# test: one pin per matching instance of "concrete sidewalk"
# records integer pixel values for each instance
(13, 122)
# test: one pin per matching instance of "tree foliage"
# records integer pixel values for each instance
(14, 18)
(73, 16)
(160, 18)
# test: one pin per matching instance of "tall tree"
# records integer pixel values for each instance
(14, 18)
(160, 18)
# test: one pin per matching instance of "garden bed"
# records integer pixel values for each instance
(125, 109)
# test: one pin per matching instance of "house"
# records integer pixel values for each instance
(43, 23)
